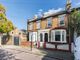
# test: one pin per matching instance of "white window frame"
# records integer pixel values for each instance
(30, 26)
(53, 37)
(61, 18)
(49, 20)
(38, 24)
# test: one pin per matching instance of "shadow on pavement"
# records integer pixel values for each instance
(5, 55)
(56, 55)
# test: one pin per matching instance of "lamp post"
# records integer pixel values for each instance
(0, 39)
(31, 41)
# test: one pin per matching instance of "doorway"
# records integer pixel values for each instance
(44, 37)
(16, 40)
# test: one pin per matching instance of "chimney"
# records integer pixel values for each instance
(68, 5)
(35, 17)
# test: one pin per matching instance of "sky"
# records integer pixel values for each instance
(18, 11)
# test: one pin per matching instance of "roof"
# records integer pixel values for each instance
(54, 14)
(24, 30)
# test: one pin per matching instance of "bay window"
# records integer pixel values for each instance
(58, 36)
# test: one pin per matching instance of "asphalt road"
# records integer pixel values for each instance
(9, 54)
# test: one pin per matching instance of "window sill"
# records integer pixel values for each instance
(58, 42)
(62, 25)
(48, 27)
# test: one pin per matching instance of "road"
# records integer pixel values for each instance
(20, 55)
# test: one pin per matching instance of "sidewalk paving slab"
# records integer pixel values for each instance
(43, 52)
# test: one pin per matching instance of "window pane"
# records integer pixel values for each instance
(49, 36)
(61, 22)
(62, 35)
(38, 24)
(57, 36)
(52, 36)
(41, 37)
(30, 26)
(49, 22)
(61, 19)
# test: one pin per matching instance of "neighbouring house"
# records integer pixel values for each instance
(17, 37)
(51, 31)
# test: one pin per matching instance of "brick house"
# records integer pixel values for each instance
(50, 31)
(17, 37)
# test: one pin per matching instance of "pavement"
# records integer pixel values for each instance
(38, 54)
(5, 55)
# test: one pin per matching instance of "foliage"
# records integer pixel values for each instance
(73, 25)
(74, 21)
(2, 7)
(5, 24)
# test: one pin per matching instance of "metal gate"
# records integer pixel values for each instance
(16, 40)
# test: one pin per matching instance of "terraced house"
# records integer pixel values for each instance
(50, 31)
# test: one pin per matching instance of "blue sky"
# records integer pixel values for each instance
(18, 11)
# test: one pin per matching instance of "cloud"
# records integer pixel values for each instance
(52, 11)
(78, 4)
(40, 13)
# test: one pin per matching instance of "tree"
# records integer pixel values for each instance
(5, 25)
(74, 23)
(2, 7)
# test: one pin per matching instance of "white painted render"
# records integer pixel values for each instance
(63, 46)
(48, 45)
(33, 36)
(41, 44)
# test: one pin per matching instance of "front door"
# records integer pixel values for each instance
(43, 37)
(16, 40)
